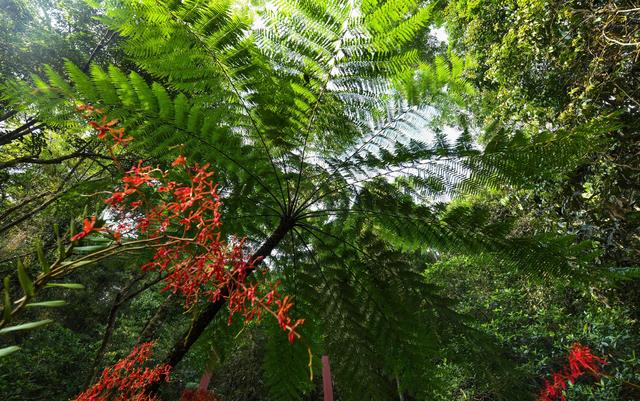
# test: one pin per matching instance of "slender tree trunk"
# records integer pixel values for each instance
(184, 343)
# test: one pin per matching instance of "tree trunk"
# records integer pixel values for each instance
(182, 346)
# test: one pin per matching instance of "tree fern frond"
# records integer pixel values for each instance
(528, 159)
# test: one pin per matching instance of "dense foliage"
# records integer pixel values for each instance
(441, 196)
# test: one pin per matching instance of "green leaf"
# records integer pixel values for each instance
(72, 228)
(47, 304)
(6, 300)
(41, 258)
(71, 286)
(25, 326)
(56, 230)
(8, 350)
(90, 248)
(25, 281)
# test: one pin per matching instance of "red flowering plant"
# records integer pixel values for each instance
(180, 209)
(581, 362)
(128, 379)
(176, 213)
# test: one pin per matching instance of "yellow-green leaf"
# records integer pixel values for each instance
(41, 258)
(8, 350)
(47, 304)
(25, 280)
(71, 286)
(25, 326)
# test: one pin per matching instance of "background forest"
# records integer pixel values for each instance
(447, 190)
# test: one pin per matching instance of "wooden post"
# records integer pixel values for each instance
(326, 379)
(204, 380)
(212, 364)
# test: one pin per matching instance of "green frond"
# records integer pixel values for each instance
(287, 374)
(369, 296)
(104, 82)
(81, 81)
(528, 159)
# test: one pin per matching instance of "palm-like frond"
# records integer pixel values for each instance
(317, 113)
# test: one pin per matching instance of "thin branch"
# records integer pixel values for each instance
(20, 205)
(617, 42)
(59, 192)
(108, 37)
(27, 127)
(57, 160)
(142, 289)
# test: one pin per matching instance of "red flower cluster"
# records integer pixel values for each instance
(180, 207)
(284, 320)
(105, 127)
(127, 379)
(581, 361)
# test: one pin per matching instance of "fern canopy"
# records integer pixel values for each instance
(332, 116)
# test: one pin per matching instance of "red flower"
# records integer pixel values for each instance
(118, 137)
(102, 127)
(127, 380)
(180, 160)
(115, 198)
(196, 262)
(87, 227)
(581, 361)
(581, 358)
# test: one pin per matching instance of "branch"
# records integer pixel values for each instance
(630, 44)
(57, 160)
(108, 37)
(30, 125)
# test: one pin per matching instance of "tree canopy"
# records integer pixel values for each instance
(440, 196)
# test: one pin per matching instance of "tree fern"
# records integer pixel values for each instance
(318, 118)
